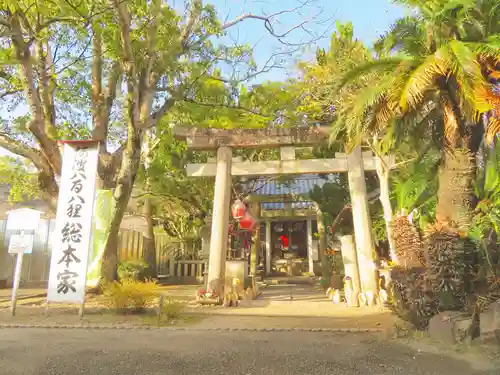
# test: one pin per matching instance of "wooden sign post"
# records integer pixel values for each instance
(24, 220)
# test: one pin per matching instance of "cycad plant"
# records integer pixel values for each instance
(414, 190)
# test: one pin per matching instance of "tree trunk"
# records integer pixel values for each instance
(455, 192)
(148, 235)
(457, 172)
(126, 178)
(149, 244)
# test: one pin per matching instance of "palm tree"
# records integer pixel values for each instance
(430, 82)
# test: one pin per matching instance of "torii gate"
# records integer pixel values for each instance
(224, 167)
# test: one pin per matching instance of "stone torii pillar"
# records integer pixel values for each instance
(220, 220)
(255, 247)
(362, 222)
(310, 255)
(268, 248)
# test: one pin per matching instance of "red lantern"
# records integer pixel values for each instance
(238, 210)
(247, 222)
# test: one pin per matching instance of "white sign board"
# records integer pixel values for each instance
(21, 243)
(23, 219)
(75, 205)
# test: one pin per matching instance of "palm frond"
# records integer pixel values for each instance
(405, 35)
(338, 127)
(450, 122)
(487, 98)
(464, 66)
(359, 71)
(384, 112)
(493, 128)
(370, 96)
(421, 79)
(489, 48)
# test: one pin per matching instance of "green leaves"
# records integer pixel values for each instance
(487, 191)
(414, 186)
(20, 178)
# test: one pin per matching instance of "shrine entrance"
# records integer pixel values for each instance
(359, 260)
(289, 232)
(289, 242)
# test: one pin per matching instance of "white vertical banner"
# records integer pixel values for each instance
(72, 240)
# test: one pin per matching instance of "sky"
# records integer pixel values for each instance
(370, 19)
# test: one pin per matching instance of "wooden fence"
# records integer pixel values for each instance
(130, 247)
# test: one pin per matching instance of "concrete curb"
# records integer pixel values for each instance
(41, 295)
(181, 329)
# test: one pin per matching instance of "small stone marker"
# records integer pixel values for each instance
(489, 323)
(247, 298)
(336, 296)
(370, 298)
(350, 298)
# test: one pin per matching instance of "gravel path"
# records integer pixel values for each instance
(57, 352)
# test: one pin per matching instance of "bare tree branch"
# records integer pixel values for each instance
(111, 89)
(9, 92)
(221, 105)
(268, 66)
(124, 20)
(21, 149)
(78, 58)
(160, 112)
(268, 20)
(147, 79)
(193, 17)
(96, 74)
(38, 126)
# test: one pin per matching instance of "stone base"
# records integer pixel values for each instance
(489, 323)
(216, 286)
(216, 301)
(451, 327)
(491, 337)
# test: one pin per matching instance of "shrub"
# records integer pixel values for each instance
(132, 269)
(130, 294)
(171, 310)
(324, 282)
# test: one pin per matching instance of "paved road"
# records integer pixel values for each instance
(155, 352)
